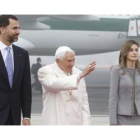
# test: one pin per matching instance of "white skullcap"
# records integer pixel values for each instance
(62, 49)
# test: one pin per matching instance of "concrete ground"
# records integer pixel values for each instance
(96, 119)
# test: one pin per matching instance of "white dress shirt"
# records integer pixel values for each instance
(4, 52)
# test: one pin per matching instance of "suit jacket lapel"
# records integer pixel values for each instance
(3, 68)
(16, 64)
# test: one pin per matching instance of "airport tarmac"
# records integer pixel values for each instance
(95, 119)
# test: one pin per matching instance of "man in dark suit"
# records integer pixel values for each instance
(34, 70)
(15, 81)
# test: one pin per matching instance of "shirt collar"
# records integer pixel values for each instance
(3, 46)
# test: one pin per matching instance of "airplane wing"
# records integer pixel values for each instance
(76, 17)
(32, 22)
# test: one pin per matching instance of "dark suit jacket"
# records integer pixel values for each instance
(19, 97)
(35, 68)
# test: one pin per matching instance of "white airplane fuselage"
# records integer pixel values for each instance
(45, 42)
(43, 36)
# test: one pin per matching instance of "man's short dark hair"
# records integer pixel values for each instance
(4, 20)
(38, 59)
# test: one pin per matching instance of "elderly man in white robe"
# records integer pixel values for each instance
(65, 99)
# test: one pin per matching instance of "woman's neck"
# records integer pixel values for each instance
(131, 64)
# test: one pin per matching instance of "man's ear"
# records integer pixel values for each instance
(2, 30)
(57, 60)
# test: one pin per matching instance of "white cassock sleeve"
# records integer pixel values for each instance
(53, 83)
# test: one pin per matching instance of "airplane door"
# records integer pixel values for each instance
(134, 27)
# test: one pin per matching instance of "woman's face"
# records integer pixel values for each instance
(133, 53)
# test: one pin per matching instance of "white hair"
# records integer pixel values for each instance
(61, 51)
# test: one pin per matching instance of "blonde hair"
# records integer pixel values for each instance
(125, 48)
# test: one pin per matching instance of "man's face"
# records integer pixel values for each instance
(12, 31)
(67, 63)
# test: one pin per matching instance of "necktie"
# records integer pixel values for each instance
(9, 66)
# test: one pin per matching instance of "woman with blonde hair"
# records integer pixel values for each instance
(124, 99)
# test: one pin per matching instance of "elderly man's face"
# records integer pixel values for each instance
(67, 63)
